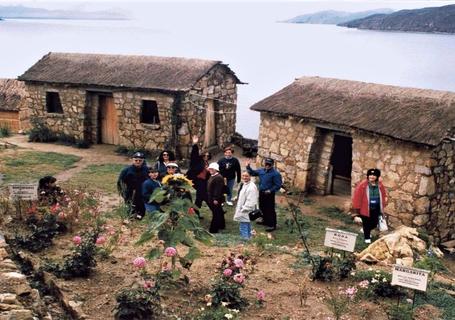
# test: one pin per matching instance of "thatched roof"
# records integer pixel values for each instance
(12, 93)
(139, 72)
(417, 115)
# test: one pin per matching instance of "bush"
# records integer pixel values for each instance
(40, 132)
(138, 303)
(329, 268)
(80, 263)
(438, 298)
(400, 312)
(379, 284)
(43, 231)
(219, 313)
(5, 131)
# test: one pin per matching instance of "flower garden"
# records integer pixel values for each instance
(90, 261)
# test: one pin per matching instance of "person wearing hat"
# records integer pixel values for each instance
(230, 170)
(129, 184)
(215, 196)
(369, 201)
(270, 182)
(165, 157)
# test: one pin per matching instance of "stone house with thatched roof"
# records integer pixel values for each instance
(13, 112)
(145, 102)
(325, 133)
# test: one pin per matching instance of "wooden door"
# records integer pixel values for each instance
(108, 120)
(210, 125)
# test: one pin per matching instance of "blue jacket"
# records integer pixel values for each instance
(130, 181)
(148, 187)
(268, 179)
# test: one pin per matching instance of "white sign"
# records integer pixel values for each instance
(23, 191)
(339, 239)
(410, 277)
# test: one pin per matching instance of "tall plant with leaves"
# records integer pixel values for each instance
(176, 222)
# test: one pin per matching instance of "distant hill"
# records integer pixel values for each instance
(435, 19)
(21, 12)
(334, 17)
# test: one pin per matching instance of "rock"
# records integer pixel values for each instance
(21, 314)
(401, 244)
(421, 219)
(8, 298)
(427, 186)
(407, 262)
(3, 254)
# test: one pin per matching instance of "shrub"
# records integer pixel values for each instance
(138, 303)
(400, 312)
(218, 313)
(43, 231)
(81, 262)
(5, 131)
(40, 132)
(337, 304)
(329, 268)
(379, 284)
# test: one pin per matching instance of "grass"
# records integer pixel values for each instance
(102, 177)
(29, 166)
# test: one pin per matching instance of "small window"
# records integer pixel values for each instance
(53, 104)
(149, 112)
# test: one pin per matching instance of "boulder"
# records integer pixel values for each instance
(396, 247)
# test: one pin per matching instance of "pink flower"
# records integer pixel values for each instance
(148, 284)
(227, 272)
(55, 208)
(62, 215)
(238, 263)
(350, 292)
(139, 262)
(260, 295)
(239, 278)
(170, 252)
(101, 240)
(364, 284)
(77, 240)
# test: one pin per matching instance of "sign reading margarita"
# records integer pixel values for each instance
(339, 239)
(410, 277)
(23, 191)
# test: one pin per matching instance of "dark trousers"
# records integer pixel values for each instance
(136, 203)
(267, 206)
(201, 192)
(218, 222)
(370, 223)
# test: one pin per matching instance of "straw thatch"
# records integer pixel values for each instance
(12, 93)
(140, 72)
(417, 115)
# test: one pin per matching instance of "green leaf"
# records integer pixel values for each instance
(193, 253)
(188, 222)
(164, 235)
(158, 195)
(155, 253)
(146, 236)
(203, 236)
(159, 218)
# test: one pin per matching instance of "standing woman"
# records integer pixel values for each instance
(369, 201)
(198, 173)
(247, 201)
(215, 187)
(165, 157)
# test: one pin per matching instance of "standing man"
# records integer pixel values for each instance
(269, 183)
(129, 184)
(230, 169)
(215, 195)
(369, 201)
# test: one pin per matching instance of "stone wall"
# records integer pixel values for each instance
(220, 86)
(303, 151)
(143, 135)
(406, 174)
(71, 121)
(442, 216)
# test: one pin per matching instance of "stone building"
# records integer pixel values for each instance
(145, 102)
(13, 111)
(325, 133)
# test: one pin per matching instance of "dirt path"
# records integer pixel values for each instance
(96, 154)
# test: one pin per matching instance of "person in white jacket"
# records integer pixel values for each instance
(247, 201)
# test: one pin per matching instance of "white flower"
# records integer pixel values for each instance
(374, 280)
(370, 269)
(224, 303)
(228, 316)
(235, 310)
(353, 273)
(209, 304)
(384, 280)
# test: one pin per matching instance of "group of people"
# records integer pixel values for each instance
(214, 183)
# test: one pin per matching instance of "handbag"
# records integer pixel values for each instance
(256, 213)
(382, 225)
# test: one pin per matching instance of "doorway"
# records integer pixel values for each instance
(210, 124)
(340, 165)
(108, 120)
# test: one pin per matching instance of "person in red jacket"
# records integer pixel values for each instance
(369, 201)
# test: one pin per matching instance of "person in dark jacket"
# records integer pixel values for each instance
(198, 173)
(165, 157)
(148, 187)
(215, 188)
(269, 183)
(129, 184)
(48, 191)
(230, 170)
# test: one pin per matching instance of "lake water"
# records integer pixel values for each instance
(265, 54)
